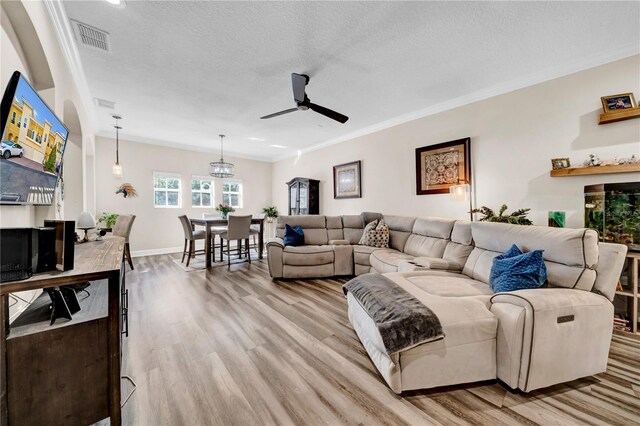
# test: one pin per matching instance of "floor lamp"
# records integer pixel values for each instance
(462, 192)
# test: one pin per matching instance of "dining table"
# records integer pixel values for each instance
(210, 223)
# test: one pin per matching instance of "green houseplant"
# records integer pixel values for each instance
(108, 220)
(270, 213)
(518, 217)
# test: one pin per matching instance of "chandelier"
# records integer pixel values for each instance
(220, 169)
(117, 168)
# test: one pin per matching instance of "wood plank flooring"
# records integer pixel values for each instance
(224, 347)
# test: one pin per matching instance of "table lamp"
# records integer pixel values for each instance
(86, 221)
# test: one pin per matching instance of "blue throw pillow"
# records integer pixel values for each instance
(293, 236)
(513, 251)
(517, 272)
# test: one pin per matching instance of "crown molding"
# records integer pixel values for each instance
(185, 147)
(66, 40)
(624, 51)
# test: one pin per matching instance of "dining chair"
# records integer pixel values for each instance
(190, 236)
(255, 229)
(215, 230)
(239, 230)
(122, 228)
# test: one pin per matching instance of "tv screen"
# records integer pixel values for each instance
(32, 146)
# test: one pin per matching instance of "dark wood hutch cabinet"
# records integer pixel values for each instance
(304, 196)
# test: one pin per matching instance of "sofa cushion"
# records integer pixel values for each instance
(400, 228)
(384, 261)
(376, 234)
(433, 227)
(307, 255)
(461, 232)
(293, 236)
(449, 284)
(569, 254)
(420, 245)
(362, 254)
(334, 228)
(314, 227)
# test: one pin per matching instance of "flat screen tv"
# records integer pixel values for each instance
(32, 146)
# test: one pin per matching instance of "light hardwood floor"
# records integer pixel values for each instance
(232, 347)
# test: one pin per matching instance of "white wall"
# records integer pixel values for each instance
(15, 54)
(158, 230)
(513, 138)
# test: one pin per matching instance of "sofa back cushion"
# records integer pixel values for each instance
(334, 228)
(400, 228)
(314, 227)
(569, 254)
(429, 237)
(461, 244)
(352, 227)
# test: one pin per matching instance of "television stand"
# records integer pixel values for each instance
(68, 372)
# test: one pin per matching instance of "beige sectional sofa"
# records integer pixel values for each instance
(529, 339)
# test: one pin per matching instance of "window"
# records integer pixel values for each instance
(13, 118)
(232, 193)
(201, 192)
(166, 190)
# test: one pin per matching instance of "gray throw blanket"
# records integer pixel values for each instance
(403, 321)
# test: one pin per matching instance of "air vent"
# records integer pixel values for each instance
(90, 36)
(103, 103)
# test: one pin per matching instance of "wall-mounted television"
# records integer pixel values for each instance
(32, 146)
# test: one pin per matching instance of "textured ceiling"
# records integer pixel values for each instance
(183, 72)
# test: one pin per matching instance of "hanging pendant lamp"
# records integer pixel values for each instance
(220, 169)
(117, 168)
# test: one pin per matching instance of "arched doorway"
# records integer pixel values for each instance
(73, 164)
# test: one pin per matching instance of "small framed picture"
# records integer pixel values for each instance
(615, 103)
(560, 163)
(347, 181)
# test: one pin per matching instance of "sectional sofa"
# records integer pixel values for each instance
(529, 339)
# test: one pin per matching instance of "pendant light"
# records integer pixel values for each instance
(117, 168)
(220, 169)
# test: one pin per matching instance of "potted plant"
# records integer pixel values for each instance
(224, 210)
(518, 217)
(108, 220)
(270, 213)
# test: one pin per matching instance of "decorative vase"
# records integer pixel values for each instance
(225, 215)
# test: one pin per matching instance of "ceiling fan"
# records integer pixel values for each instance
(299, 81)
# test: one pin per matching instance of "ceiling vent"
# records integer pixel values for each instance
(90, 36)
(103, 103)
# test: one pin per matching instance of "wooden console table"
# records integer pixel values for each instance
(69, 372)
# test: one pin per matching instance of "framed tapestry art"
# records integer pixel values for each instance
(346, 180)
(440, 166)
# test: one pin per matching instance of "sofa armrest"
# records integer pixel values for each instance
(611, 258)
(551, 335)
(275, 247)
(276, 242)
(437, 263)
(338, 243)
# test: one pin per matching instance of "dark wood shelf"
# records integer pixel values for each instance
(596, 170)
(35, 319)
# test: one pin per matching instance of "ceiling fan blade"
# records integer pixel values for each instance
(298, 82)
(329, 113)
(275, 114)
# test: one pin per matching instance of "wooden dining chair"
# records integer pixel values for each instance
(190, 236)
(239, 230)
(122, 228)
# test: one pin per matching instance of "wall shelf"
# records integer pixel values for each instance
(596, 170)
(612, 117)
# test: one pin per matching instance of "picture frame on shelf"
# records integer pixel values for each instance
(560, 163)
(615, 103)
(443, 165)
(347, 180)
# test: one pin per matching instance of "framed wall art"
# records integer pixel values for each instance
(615, 103)
(440, 166)
(347, 180)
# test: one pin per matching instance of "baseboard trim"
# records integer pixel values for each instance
(152, 252)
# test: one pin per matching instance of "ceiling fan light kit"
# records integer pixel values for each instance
(298, 83)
